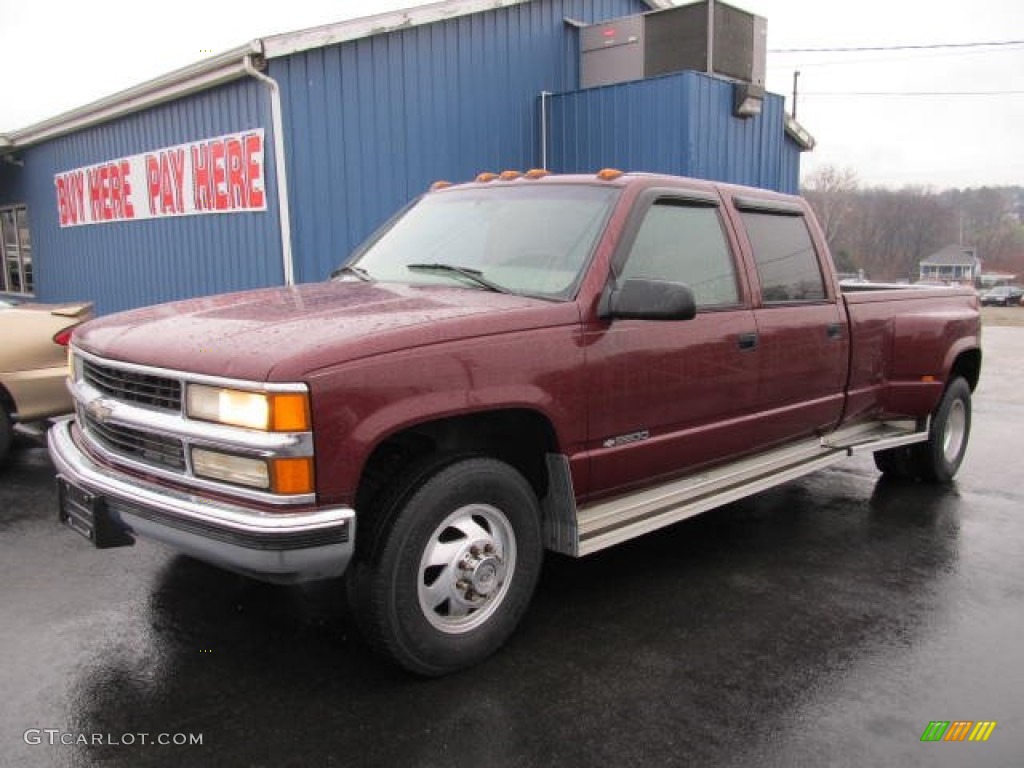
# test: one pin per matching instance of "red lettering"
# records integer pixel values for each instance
(104, 174)
(95, 194)
(177, 157)
(254, 168)
(76, 186)
(126, 190)
(166, 185)
(152, 182)
(220, 190)
(237, 197)
(201, 178)
(116, 204)
(62, 201)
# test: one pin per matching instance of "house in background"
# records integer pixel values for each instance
(952, 264)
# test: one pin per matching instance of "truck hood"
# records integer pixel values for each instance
(283, 334)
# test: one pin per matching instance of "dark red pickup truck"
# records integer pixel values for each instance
(512, 365)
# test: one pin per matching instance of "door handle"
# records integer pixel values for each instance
(747, 340)
(834, 330)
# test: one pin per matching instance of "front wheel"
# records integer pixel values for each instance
(6, 433)
(451, 564)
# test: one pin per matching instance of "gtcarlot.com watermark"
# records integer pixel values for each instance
(55, 736)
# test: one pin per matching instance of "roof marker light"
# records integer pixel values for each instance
(483, 178)
(509, 175)
(609, 174)
(537, 173)
(441, 184)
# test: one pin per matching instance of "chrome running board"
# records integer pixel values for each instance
(619, 519)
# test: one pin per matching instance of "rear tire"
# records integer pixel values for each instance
(896, 463)
(449, 566)
(939, 458)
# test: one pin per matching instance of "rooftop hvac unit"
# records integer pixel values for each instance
(672, 40)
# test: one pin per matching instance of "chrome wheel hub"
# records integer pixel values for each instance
(955, 431)
(466, 568)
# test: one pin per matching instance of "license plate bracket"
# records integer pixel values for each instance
(86, 513)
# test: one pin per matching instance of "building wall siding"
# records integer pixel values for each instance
(128, 264)
(372, 123)
(680, 124)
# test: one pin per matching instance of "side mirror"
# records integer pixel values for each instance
(644, 299)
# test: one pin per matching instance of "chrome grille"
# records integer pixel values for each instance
(147, 447)
(129, 386)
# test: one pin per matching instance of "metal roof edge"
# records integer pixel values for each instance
(229, 65)
(181, 82)
(289, 43)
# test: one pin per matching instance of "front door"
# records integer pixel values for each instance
(668, 396)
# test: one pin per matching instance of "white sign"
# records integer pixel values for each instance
(219, 175)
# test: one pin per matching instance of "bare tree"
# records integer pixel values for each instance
(832, 194)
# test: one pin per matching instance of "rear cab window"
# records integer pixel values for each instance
(787, 263)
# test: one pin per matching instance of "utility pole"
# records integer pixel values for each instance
(796, 77)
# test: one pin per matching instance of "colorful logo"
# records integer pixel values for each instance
(958, 730)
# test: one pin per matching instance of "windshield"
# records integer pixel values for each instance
(533, 240)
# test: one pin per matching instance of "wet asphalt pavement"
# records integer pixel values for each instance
(824, 623)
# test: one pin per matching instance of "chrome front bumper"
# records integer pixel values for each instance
(271, 546)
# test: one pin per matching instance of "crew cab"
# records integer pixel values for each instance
(522, 363)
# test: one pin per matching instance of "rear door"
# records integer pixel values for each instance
(802, 332)
(669, 395)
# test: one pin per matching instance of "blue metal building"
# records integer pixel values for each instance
(351, 121)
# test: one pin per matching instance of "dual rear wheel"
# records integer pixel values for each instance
(939, 458)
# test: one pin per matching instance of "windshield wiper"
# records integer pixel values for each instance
(470, 274)
(359, 272)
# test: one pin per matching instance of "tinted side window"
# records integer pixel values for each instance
(685, 244)
(786, 262)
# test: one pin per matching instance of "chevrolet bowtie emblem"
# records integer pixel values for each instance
(99, 410)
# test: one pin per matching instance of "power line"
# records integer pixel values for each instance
(912, 93)
(907, 57)
(928, 47)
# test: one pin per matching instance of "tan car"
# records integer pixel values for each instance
(33, 362)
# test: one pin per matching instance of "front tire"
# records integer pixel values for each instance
(6, 433)
(451, 563)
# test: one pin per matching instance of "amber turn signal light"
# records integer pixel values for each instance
(291, 475)
(289, 412)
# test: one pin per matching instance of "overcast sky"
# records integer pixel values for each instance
(56, 55)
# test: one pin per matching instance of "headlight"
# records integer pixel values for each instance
(268, 411)
(232, 469)
(289, 475)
